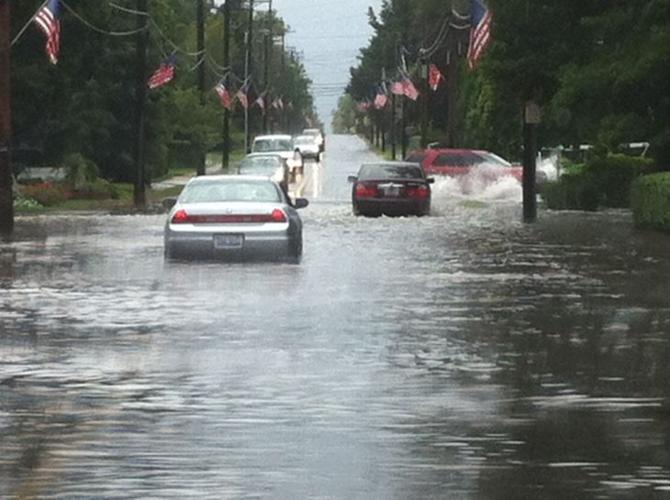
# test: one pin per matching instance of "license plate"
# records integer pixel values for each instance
(228, 241)
(392, 191)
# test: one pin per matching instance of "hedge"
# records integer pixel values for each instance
(650, 201)
(602, 182)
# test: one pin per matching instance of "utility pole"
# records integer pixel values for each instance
(425, 89)
(6, 195)
(267, 61)
(531, 119)
(201, 170)
(226, 65)
(248, 71)
(393, 127)
(139, 192)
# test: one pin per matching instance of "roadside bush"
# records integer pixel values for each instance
(79, 171)
(601, 182)
(650, 201)
(45, 193)
(98, 189)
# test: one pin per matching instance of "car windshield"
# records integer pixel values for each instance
(378, 172)
(266, 145)
(494, 159)
(229, 190)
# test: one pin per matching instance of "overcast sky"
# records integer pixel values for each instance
(329, 33)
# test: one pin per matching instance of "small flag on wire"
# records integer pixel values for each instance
(408, 88)
(480, 32)
(164, 74)
(224, 95)
(434, 77)
(278, 103)
(47, 20)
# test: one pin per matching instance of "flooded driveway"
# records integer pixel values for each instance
(462, 355)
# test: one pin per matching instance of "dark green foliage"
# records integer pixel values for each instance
(602, 182)
(651, 201)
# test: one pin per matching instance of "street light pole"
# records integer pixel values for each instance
(6, 195)
(248, 71)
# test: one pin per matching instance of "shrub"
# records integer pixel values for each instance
(650, 201)
(79, 171)
(98, 189)
(44, 193)
(602, 181)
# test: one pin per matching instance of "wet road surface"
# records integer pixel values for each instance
(462, 355)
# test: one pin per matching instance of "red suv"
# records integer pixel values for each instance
(462, 162)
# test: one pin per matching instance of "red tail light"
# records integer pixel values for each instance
(421, 192)
(277, 215)
(180, 217)
(366, 190)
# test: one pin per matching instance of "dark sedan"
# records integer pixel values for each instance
(391, 188)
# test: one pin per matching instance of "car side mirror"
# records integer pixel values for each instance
(430, 180)
(168, 203)
(300, 203)
(352, 178)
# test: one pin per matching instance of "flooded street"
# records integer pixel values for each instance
(462, 355)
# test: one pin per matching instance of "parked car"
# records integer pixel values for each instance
(391, 188)
(266, 165)
(282, 145)
(308, 146)
(486, 166)
(318, 136)
(233, 217)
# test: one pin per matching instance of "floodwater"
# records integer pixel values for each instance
(462, 355)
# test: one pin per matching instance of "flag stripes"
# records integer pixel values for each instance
(480, 34)
(47, 20)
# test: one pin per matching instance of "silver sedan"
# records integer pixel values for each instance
(234, 218)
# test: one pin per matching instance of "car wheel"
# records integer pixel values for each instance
(295, 253)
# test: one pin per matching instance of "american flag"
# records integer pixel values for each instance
(260, 102)
(47, 20)
(224, 95)
(480, 33)
(381, 99)
(278, 103)
(397, 88)
(434, 77)
(408, 89)
(164, 73)
(242, 95)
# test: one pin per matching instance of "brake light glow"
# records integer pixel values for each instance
(182, 217)
(421, 192)
(366, 190)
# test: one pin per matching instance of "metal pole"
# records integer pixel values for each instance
(139, 192)
(268, 61)
(226, 64)
(6, 195)
(393, 127)
(531, 119)
(425, 88)
(248, 71)
(201, 170)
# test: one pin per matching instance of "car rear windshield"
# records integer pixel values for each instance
(380, 172)
(267, 145)
(260, 163)
(223, 191)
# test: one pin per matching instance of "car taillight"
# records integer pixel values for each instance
(277, 215)
(366, 190)
(180, 217)
(421, 192)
